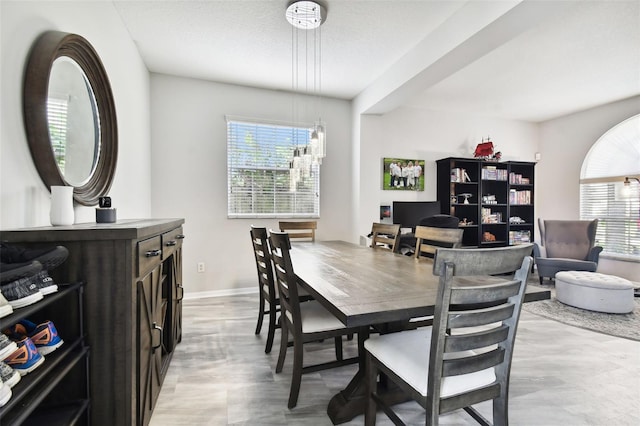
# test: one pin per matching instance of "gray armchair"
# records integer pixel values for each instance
(566, 245)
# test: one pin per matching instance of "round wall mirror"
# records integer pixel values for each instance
(70, 116)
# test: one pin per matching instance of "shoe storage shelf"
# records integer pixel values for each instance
(494, 200)
(57, 392)
(133, 307)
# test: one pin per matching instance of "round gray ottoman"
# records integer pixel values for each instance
(595, 291)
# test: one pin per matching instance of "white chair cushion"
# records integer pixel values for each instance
(407, 354)
(316, 318)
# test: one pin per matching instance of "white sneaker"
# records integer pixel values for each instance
(5, 393)
(5, 307)
(7, 346)
(8, 375)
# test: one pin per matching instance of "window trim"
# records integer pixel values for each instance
(600, 193)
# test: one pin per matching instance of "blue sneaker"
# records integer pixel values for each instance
(44, 335)
(26, 358)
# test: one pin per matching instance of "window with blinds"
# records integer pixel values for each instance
(603, 195)
(618, 211)
(57, 120)
(258, 181)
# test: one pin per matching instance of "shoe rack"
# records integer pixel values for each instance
(57, 392)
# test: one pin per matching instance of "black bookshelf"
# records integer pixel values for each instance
(494, 200)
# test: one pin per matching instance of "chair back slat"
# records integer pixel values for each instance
(429, 239)
(481, 316)
(485, 294)
(299, 230)
(385, 236)
(471, 364)
(489, 261)
(477, 340)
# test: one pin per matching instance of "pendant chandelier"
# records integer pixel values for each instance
(306, 18)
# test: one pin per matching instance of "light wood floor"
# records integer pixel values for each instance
(220, 375)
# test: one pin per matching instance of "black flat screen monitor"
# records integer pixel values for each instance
(408, 213)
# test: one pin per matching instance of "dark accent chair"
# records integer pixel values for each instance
(306, 322)
(465, 358)
(440, 221)
(566, 245)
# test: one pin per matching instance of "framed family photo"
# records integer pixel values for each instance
(403, 174)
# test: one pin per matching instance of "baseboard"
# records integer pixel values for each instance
(220, 293)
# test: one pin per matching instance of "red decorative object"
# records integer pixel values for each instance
(484, 150)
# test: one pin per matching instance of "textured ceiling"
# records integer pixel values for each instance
(531, 60)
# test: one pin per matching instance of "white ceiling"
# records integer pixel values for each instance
(531, 60)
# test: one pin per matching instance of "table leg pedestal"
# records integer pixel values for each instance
(352, 401)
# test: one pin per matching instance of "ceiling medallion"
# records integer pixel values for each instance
(306, 15)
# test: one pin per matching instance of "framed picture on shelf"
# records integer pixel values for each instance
(402, 174)
(385, 214)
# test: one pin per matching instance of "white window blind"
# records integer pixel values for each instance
(57, 119)
(618, 214)
(258, 183)
(613, 157)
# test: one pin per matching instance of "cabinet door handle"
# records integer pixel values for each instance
(171, 243)
(158, 328)
(179, 292)
(153, 253)
(180, 236)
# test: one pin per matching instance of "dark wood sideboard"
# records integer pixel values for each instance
(132, 270)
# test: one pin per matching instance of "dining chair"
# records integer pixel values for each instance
(385, 236)
(465, 357)
(484, 261)
(429, 239)
(301, 230)
(306, 322)
(266, 284)
(268, 292)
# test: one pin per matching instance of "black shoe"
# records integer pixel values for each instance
(50, 257)
(45, 283)
(14, 271)
(22, 292)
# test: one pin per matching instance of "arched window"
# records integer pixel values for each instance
(614, 158)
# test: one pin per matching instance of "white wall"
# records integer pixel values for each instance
(429, 135)
(24, 199)
(564, 143)
(189, 173)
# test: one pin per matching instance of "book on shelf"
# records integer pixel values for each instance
(519, 237)
(493, 173)
(518, 179)
(519, 197)
(489, 216)
(459, 175)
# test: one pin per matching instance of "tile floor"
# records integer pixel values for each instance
(220, 375)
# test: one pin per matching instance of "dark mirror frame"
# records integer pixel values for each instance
(47, 48)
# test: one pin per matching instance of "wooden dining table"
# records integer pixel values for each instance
(366, 287)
